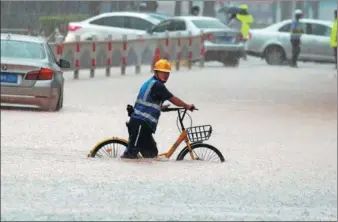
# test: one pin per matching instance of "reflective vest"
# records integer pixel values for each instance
(246, 20)
(296, 30)
(333, 39)
(145, 107)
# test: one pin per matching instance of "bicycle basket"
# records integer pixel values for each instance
(199, 133)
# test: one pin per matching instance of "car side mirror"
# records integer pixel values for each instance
(149, 30)
(64, 64)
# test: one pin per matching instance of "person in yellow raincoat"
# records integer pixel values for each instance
(333, 39)
(242, 21)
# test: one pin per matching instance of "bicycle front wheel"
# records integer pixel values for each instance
(202, 152)
(110, 148)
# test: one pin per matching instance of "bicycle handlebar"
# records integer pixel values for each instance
(180, 115)
(174, 109)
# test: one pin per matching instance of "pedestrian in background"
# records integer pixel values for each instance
(143, 7)
(333, 39)
(195, 11)
(296, 32)
(241, 21)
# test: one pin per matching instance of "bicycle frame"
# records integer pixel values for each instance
(182, 137)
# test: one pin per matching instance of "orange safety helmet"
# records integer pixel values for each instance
(162, 65)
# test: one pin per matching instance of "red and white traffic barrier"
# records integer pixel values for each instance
(119, 52)
(77, 59)
(109, 54)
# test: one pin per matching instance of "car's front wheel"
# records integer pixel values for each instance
(274, 55)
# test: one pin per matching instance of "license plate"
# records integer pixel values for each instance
(8, 77)
(227, 39)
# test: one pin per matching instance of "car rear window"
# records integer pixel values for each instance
(209, 24)
(22, 49)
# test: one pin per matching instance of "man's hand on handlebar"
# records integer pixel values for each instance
(164, 107)
(190, 107)
(178, 102)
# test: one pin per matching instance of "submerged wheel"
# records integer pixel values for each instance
(60, 103)
(111, 148)
(274, 55)
(234, 62)
(202, 152)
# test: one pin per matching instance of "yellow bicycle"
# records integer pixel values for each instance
(192, 136)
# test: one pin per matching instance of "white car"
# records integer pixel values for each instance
(222, 43)
(113, 23)
(273, 42)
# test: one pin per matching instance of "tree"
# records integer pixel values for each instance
(178, 8)
(209, 9)
(94, 7)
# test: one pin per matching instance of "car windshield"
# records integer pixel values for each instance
(209, 24)
(22, 49)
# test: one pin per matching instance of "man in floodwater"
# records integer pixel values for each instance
(145, 114)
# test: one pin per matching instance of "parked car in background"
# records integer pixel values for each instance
(222, 43)
(273, 42)
(112, 23)
(30, 74)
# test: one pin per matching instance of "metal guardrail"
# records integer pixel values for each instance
(55, 37)
(131, 51)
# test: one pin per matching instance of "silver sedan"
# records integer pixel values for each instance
(222, 43)
(30, 74)
(273, 42)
